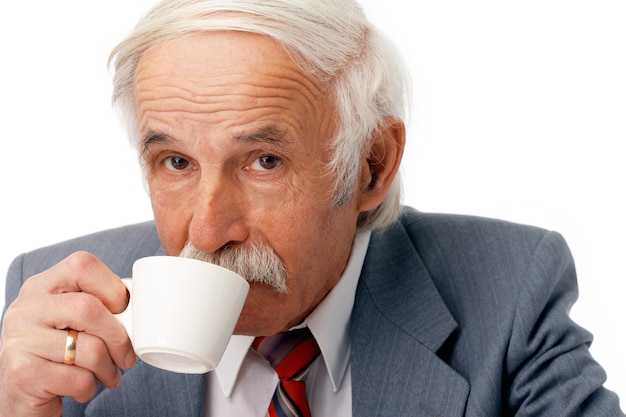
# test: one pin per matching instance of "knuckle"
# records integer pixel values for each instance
(84, 385)
(119, 340)
(11, 322)
(87, 307)
(30, 285)
(81, 261)
(93, 354)
(20, 311)
(93, 350)
(18, 370)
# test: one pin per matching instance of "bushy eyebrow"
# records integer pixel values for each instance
(266, 134)
(151, 137)
(269, 135)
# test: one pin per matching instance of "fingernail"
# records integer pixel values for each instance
(118, 379)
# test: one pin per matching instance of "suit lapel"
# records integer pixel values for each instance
(399, 322)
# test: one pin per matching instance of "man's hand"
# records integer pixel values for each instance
(78, 293)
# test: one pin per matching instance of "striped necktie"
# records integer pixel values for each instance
(291, 354)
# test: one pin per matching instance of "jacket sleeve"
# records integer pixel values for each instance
(549, 369)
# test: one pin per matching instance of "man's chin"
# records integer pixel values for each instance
(263, 313)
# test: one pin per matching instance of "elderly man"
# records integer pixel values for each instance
(270, 133)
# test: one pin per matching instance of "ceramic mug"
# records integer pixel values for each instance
(182, 312)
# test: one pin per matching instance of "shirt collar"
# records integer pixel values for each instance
(329, 323)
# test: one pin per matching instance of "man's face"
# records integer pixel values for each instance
(235, 145)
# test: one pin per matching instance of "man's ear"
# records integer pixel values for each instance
(380, 166)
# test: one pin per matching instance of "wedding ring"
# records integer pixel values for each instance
(70, 347)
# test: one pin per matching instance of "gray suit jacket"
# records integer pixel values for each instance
(454, 316)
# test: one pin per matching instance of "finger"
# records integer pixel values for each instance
(43, 332)
(85, 313)
(67, 381)
(71, 381)
(92, 354)
(35, 384)
(82, 272)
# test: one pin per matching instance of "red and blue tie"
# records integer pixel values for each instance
(291, 354)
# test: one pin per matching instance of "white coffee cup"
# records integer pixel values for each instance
(182, 312)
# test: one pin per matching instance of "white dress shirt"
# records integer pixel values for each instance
(243, 383)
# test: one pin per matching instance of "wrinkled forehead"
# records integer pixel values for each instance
(225, 76)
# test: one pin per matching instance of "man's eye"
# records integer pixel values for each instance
(266, 163)
(176, 163)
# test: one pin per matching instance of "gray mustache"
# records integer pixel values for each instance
(255, 262)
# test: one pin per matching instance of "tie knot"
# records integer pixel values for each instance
(289, 353)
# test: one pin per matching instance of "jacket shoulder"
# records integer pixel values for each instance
(472, 241)
(473, 259)
(457, 226)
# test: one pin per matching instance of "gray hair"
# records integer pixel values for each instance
(330, 39)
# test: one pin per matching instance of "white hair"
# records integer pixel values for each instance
(330, 39)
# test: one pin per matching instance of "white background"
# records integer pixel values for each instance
(519, 113)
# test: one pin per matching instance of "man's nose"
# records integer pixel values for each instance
(219, 214)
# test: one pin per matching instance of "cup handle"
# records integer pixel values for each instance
(126, 317)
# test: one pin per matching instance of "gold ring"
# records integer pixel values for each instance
(70, 347)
